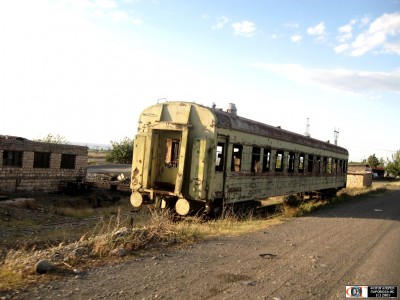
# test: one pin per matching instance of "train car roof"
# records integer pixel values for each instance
(232, 121)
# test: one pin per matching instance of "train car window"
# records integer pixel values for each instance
(172, 153)
(330, 165)
(318, 164)
(236, 158)
(12, 158)
(219, 160)
(279, 161)
(334, 166)
(266, 160)
(291, 162)
(310, 164)
(325, 165)
(301, 163)
(255, 160)
(340, 163)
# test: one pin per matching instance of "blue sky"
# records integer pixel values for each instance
(85, 69)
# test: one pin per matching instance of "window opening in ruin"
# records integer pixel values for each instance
(219, 160)
(41, 160)
(279, 161)
(301, 163)
(291, 162)
(266, 160)
(255, 160)
(172, 153)
(236, 158)
(68, 161)
(310, 164)
(12, 158)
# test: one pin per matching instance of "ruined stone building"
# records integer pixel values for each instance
(359, 175)
(27, 165)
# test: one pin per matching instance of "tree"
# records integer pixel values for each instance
(121, 152)
(373, 161)
(393, 167)
(54, 139)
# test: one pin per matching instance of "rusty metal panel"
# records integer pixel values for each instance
(176, 113)
(227, 120)
(138, 164)
(198, 172)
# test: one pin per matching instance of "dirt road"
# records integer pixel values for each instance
(313, 257)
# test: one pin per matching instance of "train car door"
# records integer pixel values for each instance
(167, 160)
(220, 168)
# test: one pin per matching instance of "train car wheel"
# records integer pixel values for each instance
(182, 207)
(136, 199)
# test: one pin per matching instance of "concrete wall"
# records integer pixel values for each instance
(27, 177)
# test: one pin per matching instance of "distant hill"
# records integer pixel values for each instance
(93, 146)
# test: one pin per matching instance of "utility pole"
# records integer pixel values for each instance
(307, 133)
(336, 135)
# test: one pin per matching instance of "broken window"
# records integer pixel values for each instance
(325, 165)
(310, 164)
(219, 160)
(41, 160)
(301, 163)
(266, 160)
(330, 166)
(255, 160)
(334, 165)
(279, 161)
(12, 158)
(318, 164)
(291, 162)
(172, 153)
(68, 161)
(236, 158)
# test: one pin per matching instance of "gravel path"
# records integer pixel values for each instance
(313, 257)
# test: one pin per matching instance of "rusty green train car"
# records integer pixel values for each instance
(188, 157)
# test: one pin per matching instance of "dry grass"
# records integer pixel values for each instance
(114, 238)
(97, 157)
(117, 235)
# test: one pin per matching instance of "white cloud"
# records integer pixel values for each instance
(317, 30)
(353, 81)
(378, 37)
(365, 20)
(341, 48)
(393, 48)
(221, 22)
(296, 38)
(346, 31)
(244, 28)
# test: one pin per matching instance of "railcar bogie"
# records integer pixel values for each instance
(192, 157)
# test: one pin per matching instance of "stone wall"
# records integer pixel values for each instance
(19, 171)
(358, 180)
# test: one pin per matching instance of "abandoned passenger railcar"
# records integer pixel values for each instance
(189, 156)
